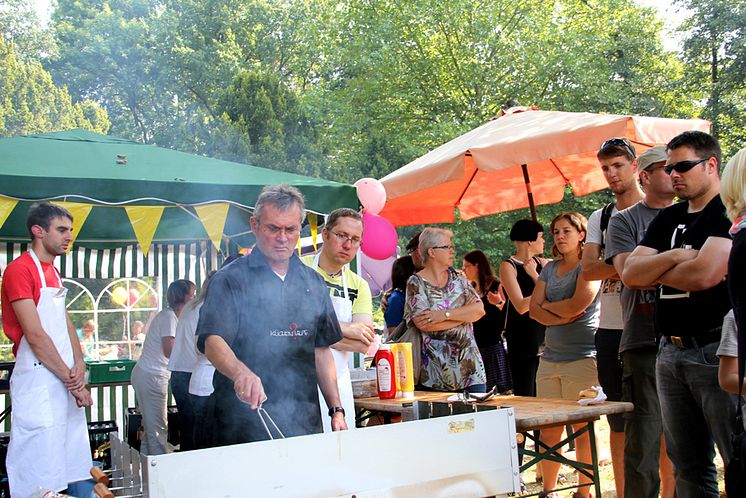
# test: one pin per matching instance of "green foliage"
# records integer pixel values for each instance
(20, 24)
(31, 103)
(715, 57)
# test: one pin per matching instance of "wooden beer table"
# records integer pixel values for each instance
(531, 414)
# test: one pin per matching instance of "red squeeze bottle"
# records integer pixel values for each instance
(385, 373)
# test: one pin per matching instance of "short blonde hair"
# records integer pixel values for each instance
(431, 237)
(733, 185)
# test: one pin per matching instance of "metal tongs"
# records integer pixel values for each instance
(479, 397)
(262, 414)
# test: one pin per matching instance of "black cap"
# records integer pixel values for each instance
(526, 230)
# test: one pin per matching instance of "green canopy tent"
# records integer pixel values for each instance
(110, 174)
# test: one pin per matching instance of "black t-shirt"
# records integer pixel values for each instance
(678, 312)
(273, 326)
(737, 286)
(488, 328)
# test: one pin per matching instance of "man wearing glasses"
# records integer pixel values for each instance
(267, 325)
(350, 295)
(685, 254)
(644, 454)
(618, 160)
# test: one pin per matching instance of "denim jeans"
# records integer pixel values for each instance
(643, 427)
(696, 413)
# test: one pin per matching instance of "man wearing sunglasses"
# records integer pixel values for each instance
(647, 468)
(685, 253)
(350, 296)
(618, 160)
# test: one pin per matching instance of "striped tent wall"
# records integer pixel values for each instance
(166, 262)
(192, 261)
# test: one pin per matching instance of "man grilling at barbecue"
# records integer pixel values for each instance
(266, 325)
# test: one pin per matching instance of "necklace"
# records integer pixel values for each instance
(335, 274)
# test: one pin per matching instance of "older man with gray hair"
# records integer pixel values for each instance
(266, 325)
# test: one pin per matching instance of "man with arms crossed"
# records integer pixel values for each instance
(619, 166)
(685, 252)
(266, 325)
(350, 296)
(49, 436)
(643, 426)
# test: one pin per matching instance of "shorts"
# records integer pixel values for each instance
(610, 371)
(565, 379)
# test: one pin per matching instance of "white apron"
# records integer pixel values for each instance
(48, 437)
(343, 310)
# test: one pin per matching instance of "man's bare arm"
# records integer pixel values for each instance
(41, 344)
(704, 271)
(645, 265)
(77, 372)
(592, 266)
(356, 335)
(247, 385)
(327, 378)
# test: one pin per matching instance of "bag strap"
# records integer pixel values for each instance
(605, 217)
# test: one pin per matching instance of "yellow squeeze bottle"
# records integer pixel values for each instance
(404, 369)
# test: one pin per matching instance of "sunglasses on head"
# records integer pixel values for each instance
(683, 166)
(619, 142)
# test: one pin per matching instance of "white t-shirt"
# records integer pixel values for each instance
(611, 290)
(152, 359)
(184, 355)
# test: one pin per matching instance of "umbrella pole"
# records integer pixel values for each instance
(530, 194)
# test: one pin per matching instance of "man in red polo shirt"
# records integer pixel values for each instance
(49, 438)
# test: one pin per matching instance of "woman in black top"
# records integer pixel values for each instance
(519, 274)
(488, 329)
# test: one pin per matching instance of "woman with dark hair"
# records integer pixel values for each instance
(402, 269)
(150, 376)
(568, 305)
(488, 329)
(519, 274)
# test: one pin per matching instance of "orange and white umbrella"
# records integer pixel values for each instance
(487, 170)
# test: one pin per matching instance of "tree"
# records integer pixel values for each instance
(715, 54)
(31, 103)
(20, 24)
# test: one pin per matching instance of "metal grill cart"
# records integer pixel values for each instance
(439, 457)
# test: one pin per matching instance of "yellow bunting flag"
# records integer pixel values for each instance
(313, 220)
(144, 221)
(80, 213)
(6, 206)
(299, 247)
(213, 218)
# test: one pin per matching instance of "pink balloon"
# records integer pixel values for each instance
(379, 237)
(372, 195)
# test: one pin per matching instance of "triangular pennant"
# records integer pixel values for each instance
(213, 218)
(299, 247)
(144, 221)
(6, 206)
(80, 213)
(313, 221)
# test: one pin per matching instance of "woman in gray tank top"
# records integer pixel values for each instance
(569, 307)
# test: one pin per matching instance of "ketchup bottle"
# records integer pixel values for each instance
(385, 374)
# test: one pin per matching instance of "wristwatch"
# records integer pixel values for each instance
(448, 315)
(336, 409)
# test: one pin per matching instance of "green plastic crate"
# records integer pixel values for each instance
(110, 371)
